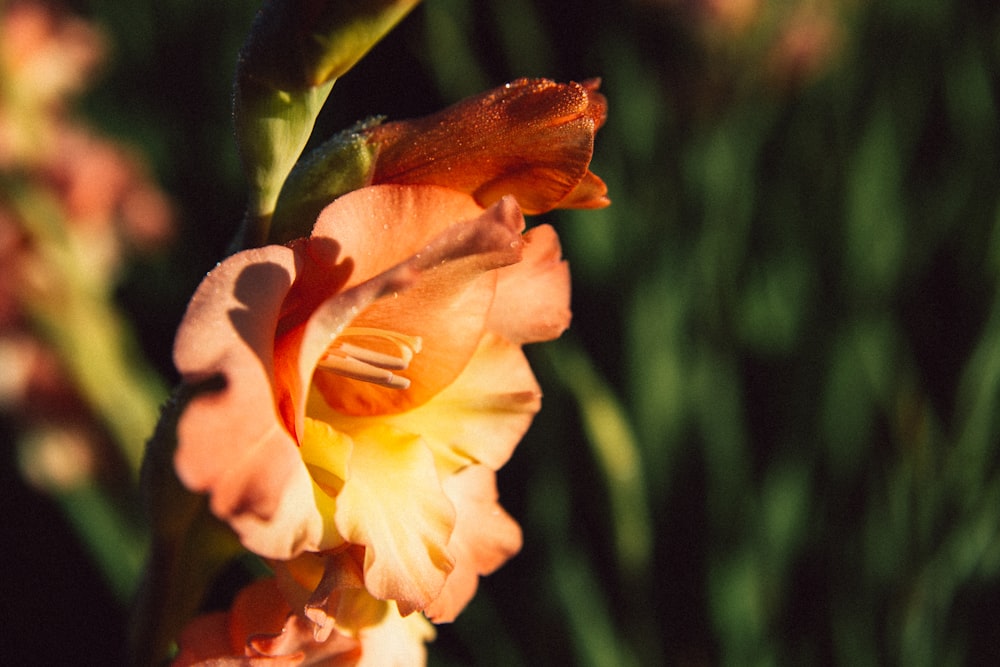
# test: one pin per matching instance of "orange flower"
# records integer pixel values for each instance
(532, 138)
(374, 379)
(262, 628)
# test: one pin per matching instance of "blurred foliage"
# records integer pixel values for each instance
(771, 436)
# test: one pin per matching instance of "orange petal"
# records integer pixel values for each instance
(392, 503)
(485, 537)
(531, 138)
(204, 638)
(259, 630)
(533, 296)
(452, 280)
(590, 192)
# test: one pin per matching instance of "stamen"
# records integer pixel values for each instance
(380, 359)
(356, 369)
(358, 361)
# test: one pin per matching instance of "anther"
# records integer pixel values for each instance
(359, 361)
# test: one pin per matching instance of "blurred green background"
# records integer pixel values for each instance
(771, 434)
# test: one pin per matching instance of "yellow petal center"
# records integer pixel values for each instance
(371, 354)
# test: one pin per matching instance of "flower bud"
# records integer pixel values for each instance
(295, 52)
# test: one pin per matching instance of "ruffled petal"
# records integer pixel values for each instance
(386, 638)
(481, 416)
(485, 537)
(232, 443)
(532, 301)
(339, 599)
(393, 504)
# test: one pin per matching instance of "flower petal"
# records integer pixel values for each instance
(479, 418)
(452, 280)
(590, 192)
(485, 537)
(378, 227)
(204, 638)
(397, 641)
(483, 414)
(533, 296)
(532, 138)
(232, 443)
(260, 630)
(392, 503)
(341, 599)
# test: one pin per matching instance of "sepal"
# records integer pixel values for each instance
(342, 164)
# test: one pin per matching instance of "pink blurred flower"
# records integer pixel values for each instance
(46, 56)
(806, 45)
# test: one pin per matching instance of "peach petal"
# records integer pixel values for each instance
(392, 503)
(264, 621)
(532, 301)
(484, 414)
(446, 306)
(381, 226)
(244, 457)
(485, 537)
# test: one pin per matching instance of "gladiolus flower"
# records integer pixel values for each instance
(374, 380)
